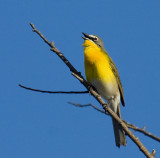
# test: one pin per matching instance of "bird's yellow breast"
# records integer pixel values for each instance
(97, 65)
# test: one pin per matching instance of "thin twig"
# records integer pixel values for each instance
(54, 92)
(142, 130)
(87, 105)
(129, 125)
(95, 95)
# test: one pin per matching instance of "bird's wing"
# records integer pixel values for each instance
(115, 71)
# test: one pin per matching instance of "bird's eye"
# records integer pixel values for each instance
(95, 39)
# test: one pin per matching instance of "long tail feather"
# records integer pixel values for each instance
(119, 134)
(120, 138)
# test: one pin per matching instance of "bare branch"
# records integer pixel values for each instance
(54, 92)
(142, 130)
(129, 125)
(87, 105)
(95, 95)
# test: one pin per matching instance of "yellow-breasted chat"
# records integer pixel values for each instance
(102, 74)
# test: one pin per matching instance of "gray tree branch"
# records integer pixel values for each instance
(129, 125)
(78, 75)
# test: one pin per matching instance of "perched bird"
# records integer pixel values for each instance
(102, 74)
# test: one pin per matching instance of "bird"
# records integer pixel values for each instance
(102, 74)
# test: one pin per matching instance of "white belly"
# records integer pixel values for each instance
(109, 91)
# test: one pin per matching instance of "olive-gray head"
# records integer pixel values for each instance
(94, 38)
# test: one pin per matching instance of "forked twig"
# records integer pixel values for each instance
(129, 125)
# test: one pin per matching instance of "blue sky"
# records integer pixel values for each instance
(44, 125)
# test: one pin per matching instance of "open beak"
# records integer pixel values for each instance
(85, 36)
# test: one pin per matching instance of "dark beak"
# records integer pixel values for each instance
(85, 36)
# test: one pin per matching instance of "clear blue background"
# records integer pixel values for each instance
(36, 125)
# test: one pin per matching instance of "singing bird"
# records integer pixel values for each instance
(102, 74)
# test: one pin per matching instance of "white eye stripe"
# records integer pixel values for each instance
(93, 37)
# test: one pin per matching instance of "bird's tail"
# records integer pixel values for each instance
(119, 134)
